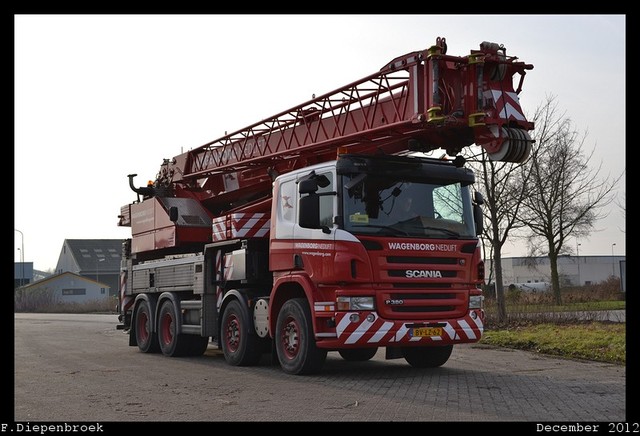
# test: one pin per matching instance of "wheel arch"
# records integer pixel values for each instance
(284, 290)
(229, 296)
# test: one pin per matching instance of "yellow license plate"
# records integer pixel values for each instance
(426, 332)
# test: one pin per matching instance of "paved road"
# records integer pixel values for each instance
(593, 315)
(80, 368)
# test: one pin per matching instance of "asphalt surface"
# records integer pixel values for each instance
(80, 368)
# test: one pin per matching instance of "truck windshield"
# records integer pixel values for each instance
(392, 206)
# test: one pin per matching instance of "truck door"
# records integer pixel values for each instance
(314, 246)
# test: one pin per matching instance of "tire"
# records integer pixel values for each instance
(295, 342)
(358, 354)
(240, 344)
(171, 343)
(146, 338)
(427, 357)
(197, 345)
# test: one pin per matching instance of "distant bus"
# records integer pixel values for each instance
(532, 287)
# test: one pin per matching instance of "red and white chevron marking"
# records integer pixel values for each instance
(507, 104)
(218, 279)
(126, 301)
(228, 266)
(241, 225)
(384, 332)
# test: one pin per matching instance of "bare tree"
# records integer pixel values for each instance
(504, 186)
(503, 191)
(622, 204)
(564, 196)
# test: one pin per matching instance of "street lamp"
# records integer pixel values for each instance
(21, 263)
(21, 255)
(578, 251)
(613, 261)
(98, 269)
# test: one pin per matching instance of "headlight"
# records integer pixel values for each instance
(475, 301)
(355, 303)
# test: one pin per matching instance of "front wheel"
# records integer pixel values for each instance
(427, 357)
(240, 345)
(295, 343)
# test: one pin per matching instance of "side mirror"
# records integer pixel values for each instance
(311, 182)
(478, 220)
(307, 186)
(478, 200)
(309, 210)
(173, 214)
(477, 217)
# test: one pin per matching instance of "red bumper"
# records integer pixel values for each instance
(367, 329)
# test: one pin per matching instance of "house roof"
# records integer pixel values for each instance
(96, 254)
(55, 277)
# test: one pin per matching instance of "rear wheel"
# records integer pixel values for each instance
(295, 342)
(171, 343)
(427, 357)
(358, 354)
(146, 338)
(241, 346)
(197, 344)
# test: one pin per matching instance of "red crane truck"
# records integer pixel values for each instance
(325, 228)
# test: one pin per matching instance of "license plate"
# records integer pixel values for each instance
(426, 332)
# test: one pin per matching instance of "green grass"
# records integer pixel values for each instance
(596, 341)
(566, 307)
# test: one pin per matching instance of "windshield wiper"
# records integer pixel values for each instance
(447, 231)
(393, 229)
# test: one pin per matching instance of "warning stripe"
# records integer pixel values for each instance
(361, 330)
(126, 301)
(241, 225)
(377, 337)
(467, 329)
(219, 229)
(507, 104)
(218, 279)
(387, 332)
(250, 225)
(228, 266)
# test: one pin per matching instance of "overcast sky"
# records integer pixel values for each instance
(98, 97)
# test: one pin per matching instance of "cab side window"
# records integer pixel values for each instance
(326, 202)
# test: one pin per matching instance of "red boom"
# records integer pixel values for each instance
(420, 101)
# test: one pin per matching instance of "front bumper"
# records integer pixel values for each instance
(367, 329)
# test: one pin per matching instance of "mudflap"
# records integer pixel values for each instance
(393, 353)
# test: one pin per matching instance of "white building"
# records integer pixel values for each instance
(68, 287)
(573, 270)
(96, 259)
(22, 273)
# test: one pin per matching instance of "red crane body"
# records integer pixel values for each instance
(224, 193)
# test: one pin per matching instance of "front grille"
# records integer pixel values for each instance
(403, 273)
(423, 260)
(420, 285)
(421, 296)
(423, 304)
(430, 309)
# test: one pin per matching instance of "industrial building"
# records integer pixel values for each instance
(87, 270)
(573, 270)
